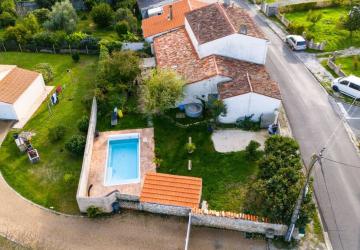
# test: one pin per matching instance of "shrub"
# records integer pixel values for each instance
(102, 15)
(125, 15)
(190, 147)
(76, 144)
(83, 124)
(62, 17)
(46, 70)
(75, 56)
(247, 123)
(251, 150)
(313, 16)
(42, 15)
(94, 212)
(68, 178)
(122, 28)
(356, 62)
(296, 28)
(6, 19)
(89, 4)
(298, 7)
(56, 133)
(17, 33)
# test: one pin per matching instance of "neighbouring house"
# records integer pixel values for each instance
(246, 88)
(21, 93)
(152, 7)
(227, 31)
(172, 17)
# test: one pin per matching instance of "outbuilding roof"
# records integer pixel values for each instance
(174, 50)
(15, 83)
(174, 190)
(162, 23)
(215, 21)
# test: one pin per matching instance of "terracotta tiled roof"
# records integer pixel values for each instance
(174, 50)
(172, 190)
(160, 24)
(15, 83)
(216, 21)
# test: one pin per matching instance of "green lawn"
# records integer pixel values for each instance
(6, 244)
(327, 28)
(224, 175)
(44, 183)
(347, 65)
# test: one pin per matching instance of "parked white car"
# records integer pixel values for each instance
(296, 42)
(349, 85)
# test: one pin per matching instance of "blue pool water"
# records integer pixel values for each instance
(123, 161)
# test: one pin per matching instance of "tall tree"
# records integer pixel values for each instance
(62, 17)
(352, 22)
(161, 91)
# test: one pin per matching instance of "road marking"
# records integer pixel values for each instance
(346, 114)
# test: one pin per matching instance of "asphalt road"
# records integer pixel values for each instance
(313, 119)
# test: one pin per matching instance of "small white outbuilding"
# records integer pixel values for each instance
(21, 93)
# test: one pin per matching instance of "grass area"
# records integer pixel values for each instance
(44, 183)
(317, 228)
(6, 244)
(86, 25)
(347, 65)
(224, 175)
(327, 28)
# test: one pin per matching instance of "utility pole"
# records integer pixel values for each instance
(295, 215)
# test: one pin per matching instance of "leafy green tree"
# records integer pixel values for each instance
(62, 17)
(8, 6)
(161, 91)
(89, 4)
(352, 22)
(279, 182)
(46, 3)
(122, 28)
(102, 15)
(76, 144)
(126, 15)
(251, 150)
(125, 4)
(7, 19)
(46, 70)
(42, 15)
(23, 31)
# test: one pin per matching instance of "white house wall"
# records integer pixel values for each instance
(7, 111)
(24, 105)
(4, 73)
(191, 34)
(248, 104)
(202, 89)
(236, 46)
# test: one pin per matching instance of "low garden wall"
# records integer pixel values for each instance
(336, 68)
(238, 222)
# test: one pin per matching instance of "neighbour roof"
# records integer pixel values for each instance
(172, 190)
(15, 83)
(159, 24)
(174, 50)
(216, 21)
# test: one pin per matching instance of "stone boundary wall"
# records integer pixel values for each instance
(223, 221)
(81, 193)
(336, 68)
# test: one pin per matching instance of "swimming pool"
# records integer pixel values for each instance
(123, 160)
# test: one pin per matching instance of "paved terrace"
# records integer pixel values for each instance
(98, 163)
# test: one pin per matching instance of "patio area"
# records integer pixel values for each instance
(98, 163)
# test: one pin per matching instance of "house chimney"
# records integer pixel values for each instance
(243, 29)
(170, 17)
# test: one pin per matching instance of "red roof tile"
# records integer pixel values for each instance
(159, 24)
(216, 21)
(172, 190)
(15, 83)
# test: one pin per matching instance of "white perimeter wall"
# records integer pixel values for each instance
(24, 105)
(205, 87)
(248, 104)
(7, 111)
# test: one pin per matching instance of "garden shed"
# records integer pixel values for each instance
(21, 93)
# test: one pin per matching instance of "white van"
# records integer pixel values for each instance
(296, 42)
(349, 85)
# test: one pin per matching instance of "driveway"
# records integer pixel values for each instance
(5, 127)
(313, 120)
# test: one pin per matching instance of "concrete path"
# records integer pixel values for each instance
(232, 140)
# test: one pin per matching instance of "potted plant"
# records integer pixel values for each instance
(190, 146)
